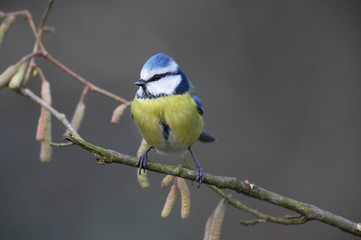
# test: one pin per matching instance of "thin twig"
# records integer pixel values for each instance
(65, 144)
(40, 31)
(251, 222)
(27, 15)
(85, 82)
(287, 220)
(45, 16)
(44, 53)
(60, 116)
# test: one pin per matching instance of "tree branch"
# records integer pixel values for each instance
(307, 211)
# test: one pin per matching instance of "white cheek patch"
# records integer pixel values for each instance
(140, 92)
(165, 86)
(146, 73)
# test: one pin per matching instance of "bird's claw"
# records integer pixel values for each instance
(199, 175)
(143, 159)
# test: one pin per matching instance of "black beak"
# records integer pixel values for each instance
(140, 83)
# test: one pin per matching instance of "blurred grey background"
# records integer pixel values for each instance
(280, 82)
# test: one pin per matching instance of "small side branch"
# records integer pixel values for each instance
(286, 220)
(39, 31)
(86, 83)
(60, 116)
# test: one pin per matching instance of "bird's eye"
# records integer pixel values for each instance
(156, 77)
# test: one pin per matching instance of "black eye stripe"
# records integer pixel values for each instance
(157, 77)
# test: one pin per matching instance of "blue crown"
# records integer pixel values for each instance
(159, 60)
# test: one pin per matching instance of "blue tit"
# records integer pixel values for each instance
(167, 111)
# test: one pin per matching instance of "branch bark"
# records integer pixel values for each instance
(307, 211)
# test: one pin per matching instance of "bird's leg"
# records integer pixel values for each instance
(142, 161)
(199, 170)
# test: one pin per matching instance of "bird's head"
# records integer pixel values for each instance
(161, 76)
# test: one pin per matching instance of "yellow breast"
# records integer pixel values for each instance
(179, 112)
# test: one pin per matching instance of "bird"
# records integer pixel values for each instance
(167, 111)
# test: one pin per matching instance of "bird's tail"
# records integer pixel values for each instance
(206, 137)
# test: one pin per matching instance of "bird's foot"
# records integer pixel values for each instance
(142, 161)
(199, 175)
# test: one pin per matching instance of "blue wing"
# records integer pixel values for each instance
(205, 136)
(198, 104)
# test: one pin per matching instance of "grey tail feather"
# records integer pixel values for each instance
(206, 137)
